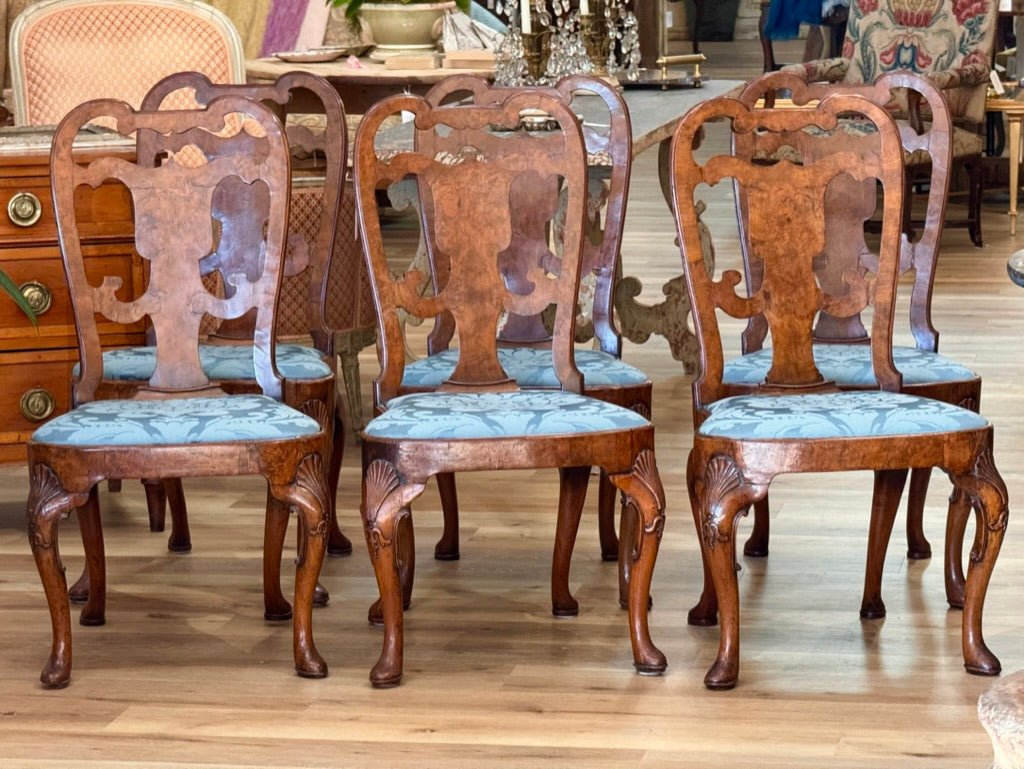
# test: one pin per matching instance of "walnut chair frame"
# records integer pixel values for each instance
(479, 419)
(142, 436)
(609, 152)
(925, 372)
(742, 442)
(307, 264)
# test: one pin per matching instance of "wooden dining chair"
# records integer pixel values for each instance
(796, 420)
(524, 342)
(841, 349)
(318, 171)
(180, 423)
(479, 418)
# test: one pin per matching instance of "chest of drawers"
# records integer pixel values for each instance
(35, 364)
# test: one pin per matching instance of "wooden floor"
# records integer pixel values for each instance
(186, 672)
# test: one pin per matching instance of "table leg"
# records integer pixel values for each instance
(1014, 120)
(669, 318)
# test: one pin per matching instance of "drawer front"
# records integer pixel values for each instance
(37, 387)
(26, 211)
(40, 274)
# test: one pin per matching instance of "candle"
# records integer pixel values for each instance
(527, 23)
(584, 7)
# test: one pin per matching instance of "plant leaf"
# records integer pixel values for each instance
(12, 290)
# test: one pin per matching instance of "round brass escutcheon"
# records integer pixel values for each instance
(24, 209)
(37, 404)
(38, 295)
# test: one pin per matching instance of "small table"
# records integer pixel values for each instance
(1014, 111)
(363, 87)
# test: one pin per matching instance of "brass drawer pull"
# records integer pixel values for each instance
(37, 404)
(24, 209)
(38, 295)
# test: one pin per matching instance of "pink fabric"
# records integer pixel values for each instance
(283, 25)
(314, 25)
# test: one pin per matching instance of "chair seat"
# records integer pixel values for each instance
(529, 367)
(849, 365)
(220, 362)
(458, 415)
(175, 422)
(852, 414)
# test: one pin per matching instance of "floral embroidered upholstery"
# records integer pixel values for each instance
(242, 418)
(851, 414)
(220, 362)
(529, 367)
(949, 41)
(849, 365)
(434, 415)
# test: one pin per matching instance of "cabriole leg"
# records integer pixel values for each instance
(385, 502)
(987, 492)
(48, 504)
(645, 497)
(571, 496)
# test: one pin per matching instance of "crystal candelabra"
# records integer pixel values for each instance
(549, 39)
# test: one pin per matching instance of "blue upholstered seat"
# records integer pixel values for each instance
(529, 367)
(220, 362)
(458, 415)
(850, 414)
(849, 365)
(176, 422)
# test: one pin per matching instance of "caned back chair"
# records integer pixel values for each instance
(65, 52)
(796, 420)
(841, 347)
(179, 423)
(525, 341)
(479, 418)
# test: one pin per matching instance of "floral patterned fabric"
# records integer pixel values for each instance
(849, 365)
(220, 362)
(949, 41)
(176, 422)
(437, 415)
(860, 414)
(529, 367)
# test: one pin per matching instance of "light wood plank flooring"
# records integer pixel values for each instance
(186, 672)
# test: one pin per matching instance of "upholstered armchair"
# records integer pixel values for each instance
(947, 41)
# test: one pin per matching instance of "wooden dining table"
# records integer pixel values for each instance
(654, 114)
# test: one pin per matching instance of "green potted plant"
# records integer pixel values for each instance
(399, 24)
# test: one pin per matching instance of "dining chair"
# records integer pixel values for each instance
(524, 342)
(796, 420)
(841, 351)
(950, 43)
(479, 418)
(65, 52)
(179, 423)
(318, 171)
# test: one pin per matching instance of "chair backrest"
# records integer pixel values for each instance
(65, 52)
(849, 204)
(470, 194)
(949, 41)
(609, 137)
(183, 213)
(319, 149)
(786, 229)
